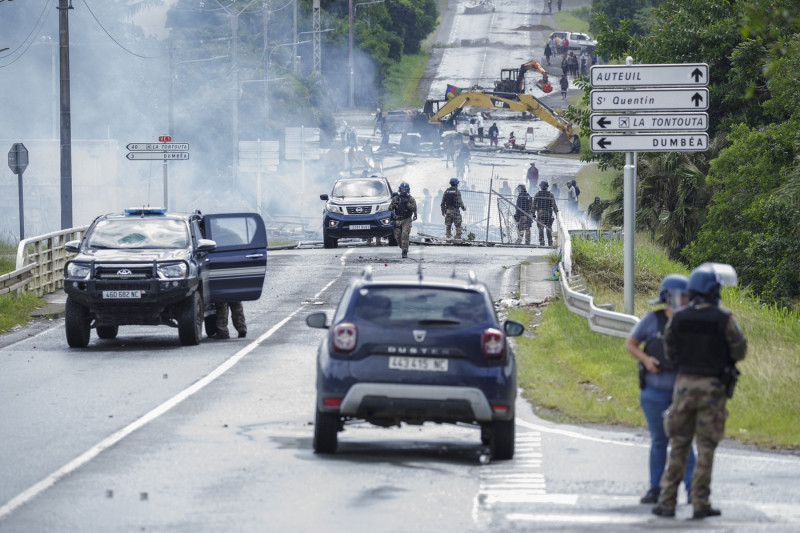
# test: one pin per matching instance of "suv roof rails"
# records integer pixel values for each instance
(471, 276)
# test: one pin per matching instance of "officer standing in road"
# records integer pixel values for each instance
(544, 204)
(237, 317)
(657, 377)
(452, 205)
(704, 342)
(404, 208)
(523, 216)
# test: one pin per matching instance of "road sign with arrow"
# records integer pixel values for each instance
(680, 99)
(641, 142)
(650, 122)
(662, 75)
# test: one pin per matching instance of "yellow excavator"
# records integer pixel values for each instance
(567, 141)
(512, 80)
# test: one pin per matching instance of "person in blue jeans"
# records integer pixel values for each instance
(657, 378)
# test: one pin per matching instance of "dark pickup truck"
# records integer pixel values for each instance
(149, 267)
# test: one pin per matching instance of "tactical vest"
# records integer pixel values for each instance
(699, 338)
(655, 346)
(451, 198)
(401, 209)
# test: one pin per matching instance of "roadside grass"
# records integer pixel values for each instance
(14, 310)
(574, 20)
(594, 182)
(402, 82)
(573, 374)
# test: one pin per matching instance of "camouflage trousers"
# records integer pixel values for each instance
(402, 230)
(453, 216)
(697, 411)
(545, 224)
(237, 317)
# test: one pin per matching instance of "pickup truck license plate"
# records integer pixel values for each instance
(121, 295)
(426, 364)
(359, 226)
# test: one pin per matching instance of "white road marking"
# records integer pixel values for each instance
(50, 480)
(576, 518)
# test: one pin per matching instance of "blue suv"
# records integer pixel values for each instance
(357, 207)
(412, 350)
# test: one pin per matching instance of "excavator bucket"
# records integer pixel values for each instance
(562, 145)
(544, 86)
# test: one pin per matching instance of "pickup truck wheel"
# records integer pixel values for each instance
(107, 332)
(326, 428)
(329, 242)
(502, 440)
(190, 320)
(77, 324)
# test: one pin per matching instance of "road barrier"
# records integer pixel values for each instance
(40, 261)
(600, 320)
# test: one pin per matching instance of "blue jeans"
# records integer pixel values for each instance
(654, 403)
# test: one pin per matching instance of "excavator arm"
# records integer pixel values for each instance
(525, 67)
(512, 102)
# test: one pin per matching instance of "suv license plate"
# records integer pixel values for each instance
(427, 364)
(359, 226)
(118, 295)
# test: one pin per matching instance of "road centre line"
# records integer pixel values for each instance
(50, 480)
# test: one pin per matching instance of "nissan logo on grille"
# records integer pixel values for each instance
(358, 209)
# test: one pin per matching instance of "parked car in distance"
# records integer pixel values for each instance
(149, 267)
(413, 349)
(357, 207)
(577, 41)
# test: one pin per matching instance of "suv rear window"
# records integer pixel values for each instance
(139, 233)
(396, 306)
(359, 189)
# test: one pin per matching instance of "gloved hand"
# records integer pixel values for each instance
(414, 217)
(463, 208)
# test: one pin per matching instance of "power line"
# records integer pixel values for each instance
(36, 28)
(113, 39)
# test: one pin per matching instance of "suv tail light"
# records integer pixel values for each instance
(345, 337)
(493, 344)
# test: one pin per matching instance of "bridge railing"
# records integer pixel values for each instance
(600, 320)
(40, 261)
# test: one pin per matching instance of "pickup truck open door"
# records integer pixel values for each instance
(238, 264)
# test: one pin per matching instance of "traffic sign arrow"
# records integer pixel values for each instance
(650, 122)
(603, 122)
(158, 147)
(678, 99)
(159, 156)
(657, 75)
(644, 142)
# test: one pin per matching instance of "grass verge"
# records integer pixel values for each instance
(573, 374)
(575, 20)
(594, 182)
(402, 82)
(14, 310)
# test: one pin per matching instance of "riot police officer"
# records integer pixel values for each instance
(404, 208)
(452, 205)
(544, 204)
(704, 342)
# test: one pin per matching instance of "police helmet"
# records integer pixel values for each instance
(704, 281)
(454, 182)
(404, 187)
(671, 284)
(543, 185)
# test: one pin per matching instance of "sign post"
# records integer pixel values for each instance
(18, 162)
(165, 151)
(632, 93)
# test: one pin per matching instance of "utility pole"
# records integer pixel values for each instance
(352, 77)
(317, 64)
(66, 124)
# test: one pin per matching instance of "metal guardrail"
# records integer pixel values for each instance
(43, 259)
(600, 320)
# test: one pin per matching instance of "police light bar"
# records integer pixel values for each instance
(142, 211)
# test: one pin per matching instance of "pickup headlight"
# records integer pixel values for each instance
(383, 207)
(333, 208)
(172, 270)
(78, 271)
